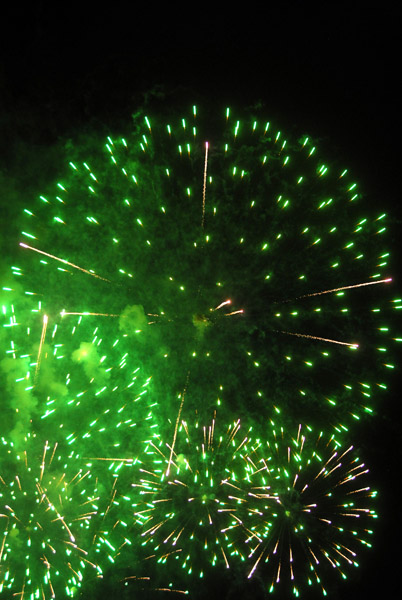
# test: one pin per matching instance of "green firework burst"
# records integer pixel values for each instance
(67, 382)
(194, 494)
(47, 505)
(318, 514)
(213, 241)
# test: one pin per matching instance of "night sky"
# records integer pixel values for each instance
(332, 72)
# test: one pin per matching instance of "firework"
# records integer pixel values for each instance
(318, 514)
(194, 495)
(207, 253)
(47, 505)
(73, 389)
(215, 242)
(91, 405)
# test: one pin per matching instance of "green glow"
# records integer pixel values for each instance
(189, 285)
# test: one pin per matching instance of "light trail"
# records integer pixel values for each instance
(42, 341)
(128, 460)
(345, 287)
(65, 262)
(135, 578)
(42, 466)
(86, 314)
(222, 304)
(321, 339)
(177, 425)
(225, 303)
(204, 187)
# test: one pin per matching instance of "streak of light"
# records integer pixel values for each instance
(4, 539)
(65, 262)
(255, 566)
(345, 287)
(53, 453)
(177, 425)
(155, 589)
(42, 341)
(86, 314)
(223, 304)
(128, 460)
(42, 466)
(315, 337)
(204, 185)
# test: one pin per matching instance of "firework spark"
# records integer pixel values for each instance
(318, 516)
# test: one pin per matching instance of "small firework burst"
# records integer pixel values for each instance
(47, 505)
(317, 516)
(193, 496)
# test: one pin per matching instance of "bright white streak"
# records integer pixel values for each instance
(255, 566)
(177, 425)
(85, 314)
(235, 312)
(65, 262)
(127, 460)
(222, 304)
(42, 466)
(204, 184)
(347, 287)
(314, 337)
(42, 340)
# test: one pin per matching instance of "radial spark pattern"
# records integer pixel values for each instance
(47, 505)
(195, 492)
(218, 241)
(192, 255)
(318, 514)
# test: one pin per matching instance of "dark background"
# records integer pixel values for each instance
(331, 71)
